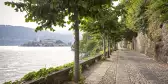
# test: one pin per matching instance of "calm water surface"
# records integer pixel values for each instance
(15, 61)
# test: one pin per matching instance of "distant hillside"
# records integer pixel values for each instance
(17, 35)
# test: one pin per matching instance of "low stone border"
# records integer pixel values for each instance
(62, 76)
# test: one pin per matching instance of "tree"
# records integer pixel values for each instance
(106, 24)
(49, 13)
(134, 15)
(97, 24)
(94, 27)
(90, 45)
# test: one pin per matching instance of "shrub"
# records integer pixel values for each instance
(41, 73)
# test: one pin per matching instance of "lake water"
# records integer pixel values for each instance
(15, 61)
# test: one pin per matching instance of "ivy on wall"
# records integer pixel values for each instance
(146, 16)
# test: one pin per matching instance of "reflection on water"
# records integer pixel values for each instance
(17, 61)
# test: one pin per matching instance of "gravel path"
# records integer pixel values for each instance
(127, 67)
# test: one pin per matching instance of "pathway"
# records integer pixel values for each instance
(127, 67)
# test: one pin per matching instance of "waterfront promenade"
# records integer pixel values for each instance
(127, 67)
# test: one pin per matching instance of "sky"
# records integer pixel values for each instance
(8, 16)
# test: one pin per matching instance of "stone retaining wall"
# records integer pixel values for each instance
(156, 48)
(62, 76)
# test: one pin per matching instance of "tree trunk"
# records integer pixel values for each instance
(104, 43)
(108, 47)
(115, 46)
(76, 59)
(111, 46)
(134, 43)
(104, 46)
(125, 43)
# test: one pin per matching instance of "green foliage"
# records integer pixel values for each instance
(104, 26)
(41, 73)
(134, 17)
(129, 34)
(104, 20)
(29, 76)
(83, 42)
(157, 15)
(88, 44)
(49, 13)
(103, 58)
(15, 82)
(96, 17)
(86, 58)
(81, 79)
(157, 10)
(145, 15)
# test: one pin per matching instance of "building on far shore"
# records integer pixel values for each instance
(46, 43)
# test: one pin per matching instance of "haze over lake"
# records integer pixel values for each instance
(16, 61)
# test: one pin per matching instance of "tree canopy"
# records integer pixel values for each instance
(49, 13)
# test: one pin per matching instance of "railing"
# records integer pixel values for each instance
(63, 75)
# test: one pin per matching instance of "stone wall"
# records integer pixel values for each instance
(162, 45)
(141, 42)
(157, 49)
(144, 45)
(62, 76)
